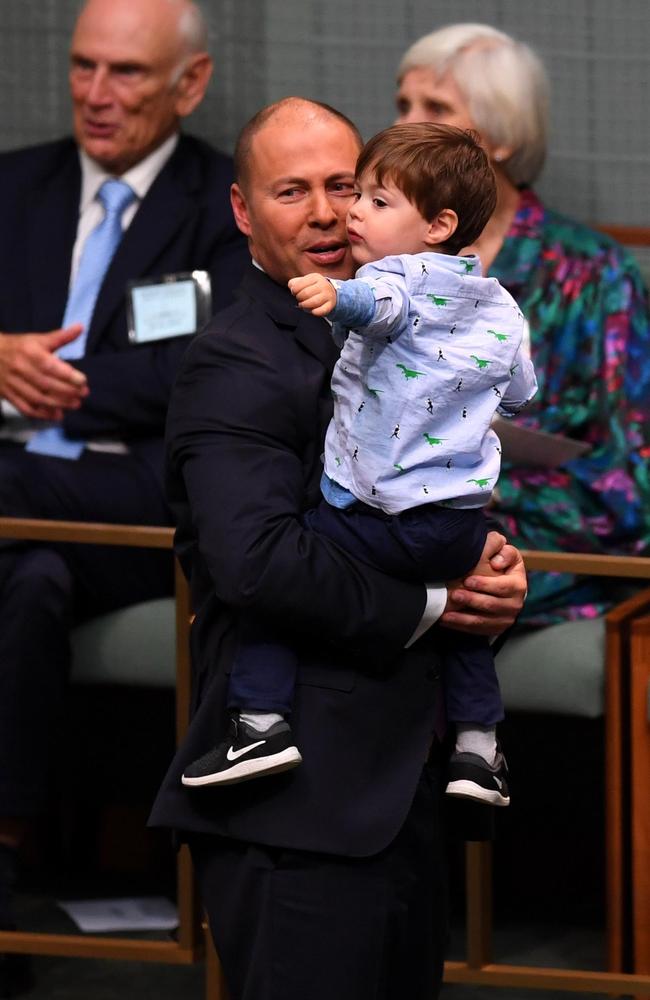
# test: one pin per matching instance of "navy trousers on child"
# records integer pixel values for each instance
(427, 543)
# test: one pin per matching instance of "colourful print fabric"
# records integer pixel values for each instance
(588, 312)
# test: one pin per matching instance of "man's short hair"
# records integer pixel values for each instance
(504, 83)
(436, 167)
(258, 121)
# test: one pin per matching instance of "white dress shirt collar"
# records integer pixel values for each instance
(139, 178)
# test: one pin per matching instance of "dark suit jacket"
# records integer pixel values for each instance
(245, 434)
(184, 222)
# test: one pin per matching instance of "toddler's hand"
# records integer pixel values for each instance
(314, 293)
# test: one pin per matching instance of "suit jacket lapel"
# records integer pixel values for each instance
(311, 332)
(162, 212)
(315, 335)
(53, 226)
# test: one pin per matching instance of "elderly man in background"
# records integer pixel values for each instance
(83, 406)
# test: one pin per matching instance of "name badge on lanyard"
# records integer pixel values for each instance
(174, 305)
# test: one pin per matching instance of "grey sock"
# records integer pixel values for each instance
(262, 721)
(472, 738)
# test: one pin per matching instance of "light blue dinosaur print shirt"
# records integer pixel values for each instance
(433, 350)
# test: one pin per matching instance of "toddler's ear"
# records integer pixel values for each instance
(441, 228)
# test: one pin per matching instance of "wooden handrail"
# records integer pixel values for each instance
(629, 236)
(634, 567)
(146, 536)
(137, 535)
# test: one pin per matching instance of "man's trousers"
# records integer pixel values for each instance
(295, 925)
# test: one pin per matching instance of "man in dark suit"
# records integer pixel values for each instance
(326, 881)
(138, 67)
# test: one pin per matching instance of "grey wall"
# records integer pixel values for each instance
(597, 53)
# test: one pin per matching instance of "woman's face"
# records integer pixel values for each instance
(424, 97)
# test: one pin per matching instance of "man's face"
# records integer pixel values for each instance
(296, 198)
(126, 79)
(382, 221)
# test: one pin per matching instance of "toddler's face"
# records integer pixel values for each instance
(382, 221)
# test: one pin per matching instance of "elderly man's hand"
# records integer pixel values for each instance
(36, 381)
(489, 599)
(314, 293)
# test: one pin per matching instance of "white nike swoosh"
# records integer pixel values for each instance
(234, 754)
(498, 782)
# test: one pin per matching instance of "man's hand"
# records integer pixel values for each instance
(314, 293)
(489, 599)
(34, 379)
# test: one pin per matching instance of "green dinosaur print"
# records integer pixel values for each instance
(479, 482)
(409, 372)
(398, 467)
(513, 370)
(337, 460)
(374, 392)
(469, 266)
(481, 362)
(499, 336)
(438, 300)
(431, 440)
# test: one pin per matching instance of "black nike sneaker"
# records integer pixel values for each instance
(471, 777)
(246, 753)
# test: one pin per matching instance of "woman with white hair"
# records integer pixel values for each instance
(586, 305)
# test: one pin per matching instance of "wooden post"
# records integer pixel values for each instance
(478, 868)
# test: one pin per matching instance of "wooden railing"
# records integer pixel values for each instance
(627, 744)
(189, 939)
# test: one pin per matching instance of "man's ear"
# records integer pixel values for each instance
(240, 209)
(193, 83)
(441, 228)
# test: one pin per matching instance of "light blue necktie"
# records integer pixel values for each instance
(98, 251)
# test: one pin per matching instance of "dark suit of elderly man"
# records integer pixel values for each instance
(326, 881)
(138, 67)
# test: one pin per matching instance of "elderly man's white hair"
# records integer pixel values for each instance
(193, 27)
(193, 31)
(502, 80)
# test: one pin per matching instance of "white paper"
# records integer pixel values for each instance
(145, 913)
(523, 446)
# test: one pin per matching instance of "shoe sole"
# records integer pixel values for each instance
(246, 769)
(464, 789)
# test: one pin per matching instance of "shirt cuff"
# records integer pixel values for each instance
(9, 412)
(355, 303)
(436, 601)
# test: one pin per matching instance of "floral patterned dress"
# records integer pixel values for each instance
(587, 307)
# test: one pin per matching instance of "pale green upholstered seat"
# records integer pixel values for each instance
(136, 645)
(559, 669)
